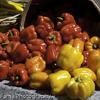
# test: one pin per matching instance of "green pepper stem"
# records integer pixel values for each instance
(52, 37)
(78, 79)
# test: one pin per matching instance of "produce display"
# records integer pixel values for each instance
(10, 13)
(61, 57)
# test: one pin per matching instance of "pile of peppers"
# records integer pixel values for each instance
(57, 56)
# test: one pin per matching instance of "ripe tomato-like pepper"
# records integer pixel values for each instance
(11, 47)
(69, 31)
(65, 19)
(20, 54)
(77, 43)
(3, 37)
(28, 33)
(37, 45)
(44, 19)
(84, 36)
(44, 26)
(35, 64)
(53, 38)
(13, 34)
(3, 53)
(69, 57)
(93, 60)
(85, 54)
(18, 75)
(80, 87)
(4, 69)
(52, 53)
(37, 53)
(93, 43)
(98, 77)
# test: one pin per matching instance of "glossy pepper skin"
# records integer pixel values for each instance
(65, 19)
(84, 71)
(28, 33)
(77, 43)
(44, 26)
(18, 75)
(54, 38)
(70, 31)
(52, 53)
(3, 53)
(38, 80)
(13, 34)
(84, 36)
(85, 54)
(35, 64)
(20, 54)
(3, 37)
(11, 47)
(4, 69)
(58, 81)
(69, 57)
(93, 60)
(80, 88)
(37, 45)
(93, 43)
(98, 77)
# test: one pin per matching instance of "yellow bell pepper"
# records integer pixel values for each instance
(58, 81)
(98, 77)
(93, 60)
(80, 87)
(69, 57)
(35, 64)
(84, 71)
(38, 80)
(93, 44)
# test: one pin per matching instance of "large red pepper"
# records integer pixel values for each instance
(37, 45)
(65, 19)
(44, 19)
(3, 53)
(11, 47)
(52, 53)
(4, 69)
(28, 33)
(44, 26)
(18, 75)
(20, 54)
(54, 38)
(13, 34)
(3, 38)
(70, 31)
(83, 35)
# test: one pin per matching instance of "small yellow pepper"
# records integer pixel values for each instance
(77, 43)
(35, 64)
(98, 77)
(69, 57)
(38, 80)
(58, 81)
(84, 71)
(93, 44)
(80, 87)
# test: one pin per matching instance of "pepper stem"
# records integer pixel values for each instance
(78, 79)
(52, 37)
(60, 18)
(95, 46)
(17, 78)
(11, 33)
